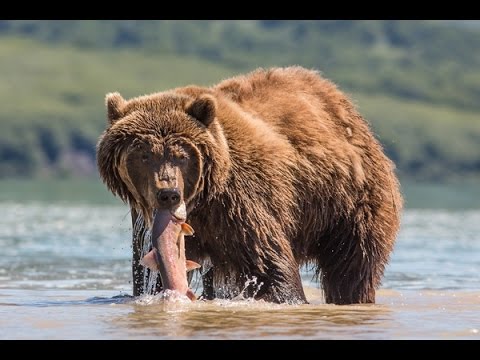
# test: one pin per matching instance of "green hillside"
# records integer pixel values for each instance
(417, 82)
(53, 100)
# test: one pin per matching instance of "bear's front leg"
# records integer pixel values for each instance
(282, 286)
(139, 272)
(208, 292)
(277, 276)
(138, 236)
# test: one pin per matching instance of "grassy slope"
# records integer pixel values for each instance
(39, 79)
(426, 60)
(61, 90)
(423, 139)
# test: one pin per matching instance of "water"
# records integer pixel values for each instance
(65, 274)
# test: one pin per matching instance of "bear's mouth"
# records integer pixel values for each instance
(180, 213)
(168, 250)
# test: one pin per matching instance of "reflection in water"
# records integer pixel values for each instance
(118, 299)
(247, 319)
(60, 278)
(397, 315)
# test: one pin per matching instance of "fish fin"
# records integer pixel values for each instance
(192, 265)
(187, 229)
(150, 261)
(191, 295)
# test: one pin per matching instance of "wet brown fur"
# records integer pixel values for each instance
(289, 174)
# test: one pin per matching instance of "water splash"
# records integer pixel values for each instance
(170, 298)
(143, 239)
(228, 288)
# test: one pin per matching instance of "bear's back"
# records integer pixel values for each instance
(299, 104)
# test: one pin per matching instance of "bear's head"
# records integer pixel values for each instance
(163, 151)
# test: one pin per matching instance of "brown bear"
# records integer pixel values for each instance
(274, 170)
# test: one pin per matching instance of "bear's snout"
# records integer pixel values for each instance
(168, 198)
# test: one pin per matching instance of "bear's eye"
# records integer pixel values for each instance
(180, 158)
(146, 156)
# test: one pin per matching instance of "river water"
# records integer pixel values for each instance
(65, 274)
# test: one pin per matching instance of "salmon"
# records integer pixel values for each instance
(168, 253)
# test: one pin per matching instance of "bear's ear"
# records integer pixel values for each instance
(203, 109)
(114, 102)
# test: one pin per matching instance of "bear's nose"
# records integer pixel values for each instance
(168, 198)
